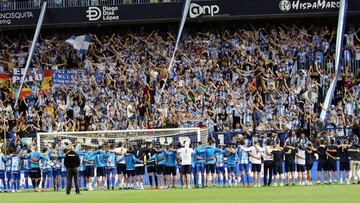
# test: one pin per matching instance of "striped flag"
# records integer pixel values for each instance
(80, 43)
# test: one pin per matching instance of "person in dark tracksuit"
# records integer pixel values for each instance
(289, 163)
(72, 162)
(309, 161)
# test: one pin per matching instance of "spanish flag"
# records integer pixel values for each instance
(44, 86)
(5, 79)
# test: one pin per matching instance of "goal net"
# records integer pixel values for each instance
(89, 139)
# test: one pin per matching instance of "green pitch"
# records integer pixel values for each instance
(291, 194)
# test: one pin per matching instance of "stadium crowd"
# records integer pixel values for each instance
(252, 80)
(270, 78)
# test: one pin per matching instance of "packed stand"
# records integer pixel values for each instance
(267, 84)
(271, 78)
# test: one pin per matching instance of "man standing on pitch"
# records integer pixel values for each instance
(72, 162)
(185, 155)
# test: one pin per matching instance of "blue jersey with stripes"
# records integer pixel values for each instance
(219, 156)
(53, 155)
(46, 164)
(243, 156)
(89, 159)
(26, 164)
(61, 158)
(110, 158)
(2, 162)
(82, 155)
(15, 163)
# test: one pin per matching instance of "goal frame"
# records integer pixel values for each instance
(74, 134)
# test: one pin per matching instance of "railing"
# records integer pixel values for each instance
(352, 65)
(36, 4)
(340, 133)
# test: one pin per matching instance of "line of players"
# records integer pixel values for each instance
(206, 165)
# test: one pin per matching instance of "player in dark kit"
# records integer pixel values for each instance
(120, 166)
(289, 163)
(344, 161)
(151, 165)
(322, 163)
(331, 152)
(309, 161)
(278, 155)
(140, 154)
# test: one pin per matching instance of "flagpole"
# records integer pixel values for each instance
(339, 45)
(34, 41)
(182, 23)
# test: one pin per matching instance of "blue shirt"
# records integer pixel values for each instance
(210, 152)
(130, 160)
(34, 159)
(152, 160)
(319, 56)
(200, 155)
(61, 158)
(46, 163)
(15, 163)
(243, 156)
(100, 159)
(2, 162)
(233, 158)
(53, 155)
(110, 160)
(170, 158)
(25, 164)
(161, 158)
(82, 155)
(89, 159)
(219, 156)
(8, 165)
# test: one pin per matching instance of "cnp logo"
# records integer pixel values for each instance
(93, 13)
(196, 10)
(285, 5)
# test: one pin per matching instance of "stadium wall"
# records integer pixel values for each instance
(199, 10)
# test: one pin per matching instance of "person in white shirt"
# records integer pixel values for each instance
(268, 163)
(88, 111)
(185, 155)
(255, 159)
(76, 110)
(300, 163)
(120, 166)
(130, 111)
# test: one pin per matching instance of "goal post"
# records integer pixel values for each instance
(97, 138)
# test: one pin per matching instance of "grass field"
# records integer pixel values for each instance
(291, 194)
